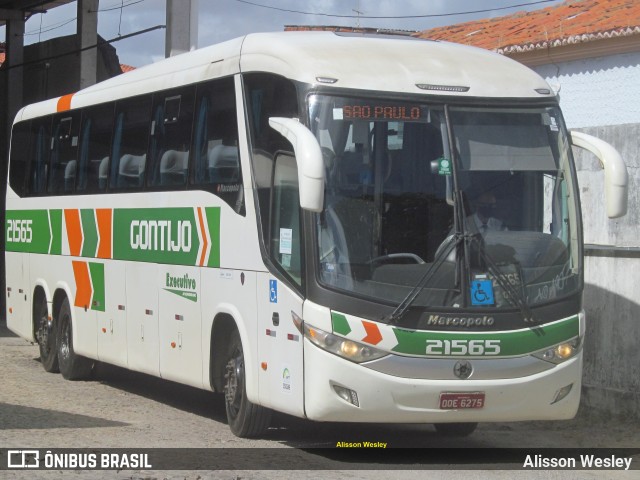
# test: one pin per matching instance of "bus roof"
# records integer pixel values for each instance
(360, 61)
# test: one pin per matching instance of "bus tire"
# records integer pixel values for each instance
(245, 419)
(455, 429)
(72, 366)
(46, 334)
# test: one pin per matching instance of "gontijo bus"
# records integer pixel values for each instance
(340, 227)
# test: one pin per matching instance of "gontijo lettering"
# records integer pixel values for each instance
(161, 235)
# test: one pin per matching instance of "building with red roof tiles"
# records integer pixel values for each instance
(595, 26)
(589, 52)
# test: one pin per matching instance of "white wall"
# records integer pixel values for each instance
(601, 97)
(597, 91)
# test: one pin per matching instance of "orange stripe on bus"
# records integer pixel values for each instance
(205, 242)
(64, 103)
(83, 284)
(74, 231)
(104, 217)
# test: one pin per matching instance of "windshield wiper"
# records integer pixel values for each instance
(514, 296)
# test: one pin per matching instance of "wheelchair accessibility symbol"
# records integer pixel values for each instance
(482, 292)
(273, 291)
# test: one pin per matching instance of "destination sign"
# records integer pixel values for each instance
(381, 112)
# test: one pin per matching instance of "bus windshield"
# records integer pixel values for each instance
(458, 206)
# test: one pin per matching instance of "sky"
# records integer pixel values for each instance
(221, 20)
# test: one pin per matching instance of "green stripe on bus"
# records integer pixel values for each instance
(213, 221)
(340, 324)
(96, 271)
(515, 343)
(157, 235)
(27, 231)
(89, 233)
(55, 219)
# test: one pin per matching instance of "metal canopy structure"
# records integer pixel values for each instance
(13, 15)
(16, 9)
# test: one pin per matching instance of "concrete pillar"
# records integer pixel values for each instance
(87, 28)
(14, 56)
(182, 27)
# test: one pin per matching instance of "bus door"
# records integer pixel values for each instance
(280, 346)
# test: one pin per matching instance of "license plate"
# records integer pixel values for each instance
(460, 400)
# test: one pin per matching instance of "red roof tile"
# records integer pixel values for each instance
(574, 21)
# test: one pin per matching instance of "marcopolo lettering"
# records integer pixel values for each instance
(442, 320)
(161, 235)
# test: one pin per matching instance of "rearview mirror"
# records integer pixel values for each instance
(615, 172)
(309, 161)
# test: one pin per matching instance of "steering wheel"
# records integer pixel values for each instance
(395, 258)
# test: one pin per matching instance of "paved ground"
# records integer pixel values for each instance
(120, 409)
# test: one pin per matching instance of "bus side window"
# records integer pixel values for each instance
(64, 148)
(285, 220)
(267, 96)
(216, 160)
(41, 135)
(95, 146)
(170, 138)
(130, 142)
(20, 148)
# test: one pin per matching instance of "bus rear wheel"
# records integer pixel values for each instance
(72, 366)
(46, 335)
(246, 420)
(455, 429)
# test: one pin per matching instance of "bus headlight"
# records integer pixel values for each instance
(353, 351)
(560, 352)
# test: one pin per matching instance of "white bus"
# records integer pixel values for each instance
(340, 227)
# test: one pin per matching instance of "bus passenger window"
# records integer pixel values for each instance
(95, 147)
(170, 138)
(64, 148)
(41, 135)
(216, 159)
(130, 142)
(20, 144)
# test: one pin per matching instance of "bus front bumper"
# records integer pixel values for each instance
(383, 398)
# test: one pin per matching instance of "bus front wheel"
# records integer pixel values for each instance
(72, 366)
(245, 419)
